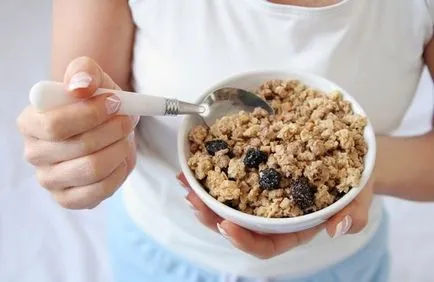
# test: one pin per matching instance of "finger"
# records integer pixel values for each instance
(205, 215)
(91, 195)
(265, 246)
(132, 154)
(353, 218)
(84, 76)
(70, 120)
(182, 180)
(85, 170)
(41, 152)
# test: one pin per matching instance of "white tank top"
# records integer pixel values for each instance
(372, 48)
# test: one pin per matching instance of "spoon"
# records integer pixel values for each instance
(47, 95)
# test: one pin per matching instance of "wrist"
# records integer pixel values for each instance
(379, 186)
(404, 167)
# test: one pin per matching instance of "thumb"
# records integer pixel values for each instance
(84, 76)
(353, 218)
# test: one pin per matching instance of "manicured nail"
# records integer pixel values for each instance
(223, 232)
(178, 177)
(190, 204)
(135, 120)
(197, 214)
(343, 227)
(79, 80)
(187, 188)
(131, 138)
(182, 183)
(112, 104)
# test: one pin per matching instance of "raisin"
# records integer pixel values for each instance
(214, 146)
(254, 158)
(269, 179)
(338, 195)
(231, 203)
(303, 193)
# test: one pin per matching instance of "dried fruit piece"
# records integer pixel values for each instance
(269, 179)
(214, 146)
(303, 193)
(254, 158)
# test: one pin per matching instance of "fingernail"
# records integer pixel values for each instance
(131, 138)
(189, 204)
(187, 188)
(197, 214)
(223, 232)
(112, 104)
(343, 227)
(79, 80)
(182, 183)
(135, 120)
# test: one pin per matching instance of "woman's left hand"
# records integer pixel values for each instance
(352, 219)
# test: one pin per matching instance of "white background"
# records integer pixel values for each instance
(40, 242)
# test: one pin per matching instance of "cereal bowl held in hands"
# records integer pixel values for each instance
(283, 173)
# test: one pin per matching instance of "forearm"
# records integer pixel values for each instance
(405, 167)
(102, 30)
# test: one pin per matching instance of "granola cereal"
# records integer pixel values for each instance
(300, 160)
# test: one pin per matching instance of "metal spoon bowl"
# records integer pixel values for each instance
(47, 95)
(221, 102)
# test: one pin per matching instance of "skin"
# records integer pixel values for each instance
(82, 154)
(416, 159)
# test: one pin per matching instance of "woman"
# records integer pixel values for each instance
(83, 152)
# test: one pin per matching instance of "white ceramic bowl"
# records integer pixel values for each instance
(251, 81)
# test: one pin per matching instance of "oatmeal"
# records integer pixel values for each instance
(300, 160)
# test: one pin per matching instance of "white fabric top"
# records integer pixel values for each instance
(371, 48)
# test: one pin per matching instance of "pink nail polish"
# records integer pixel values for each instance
(197, 214)
(343, 227)
(131, 138)
(135, 120)
(182, 184)
(222, 231)
(79, 80)
(187, 188)
(112, 104)
(190, 204)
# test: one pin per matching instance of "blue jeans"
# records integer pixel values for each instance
(137, 258)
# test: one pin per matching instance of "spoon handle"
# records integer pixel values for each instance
(47, 95)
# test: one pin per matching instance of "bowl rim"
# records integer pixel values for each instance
(338, 205)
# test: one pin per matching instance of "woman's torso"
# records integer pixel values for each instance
(371, 48)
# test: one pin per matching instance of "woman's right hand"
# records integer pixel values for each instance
(82, 152)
